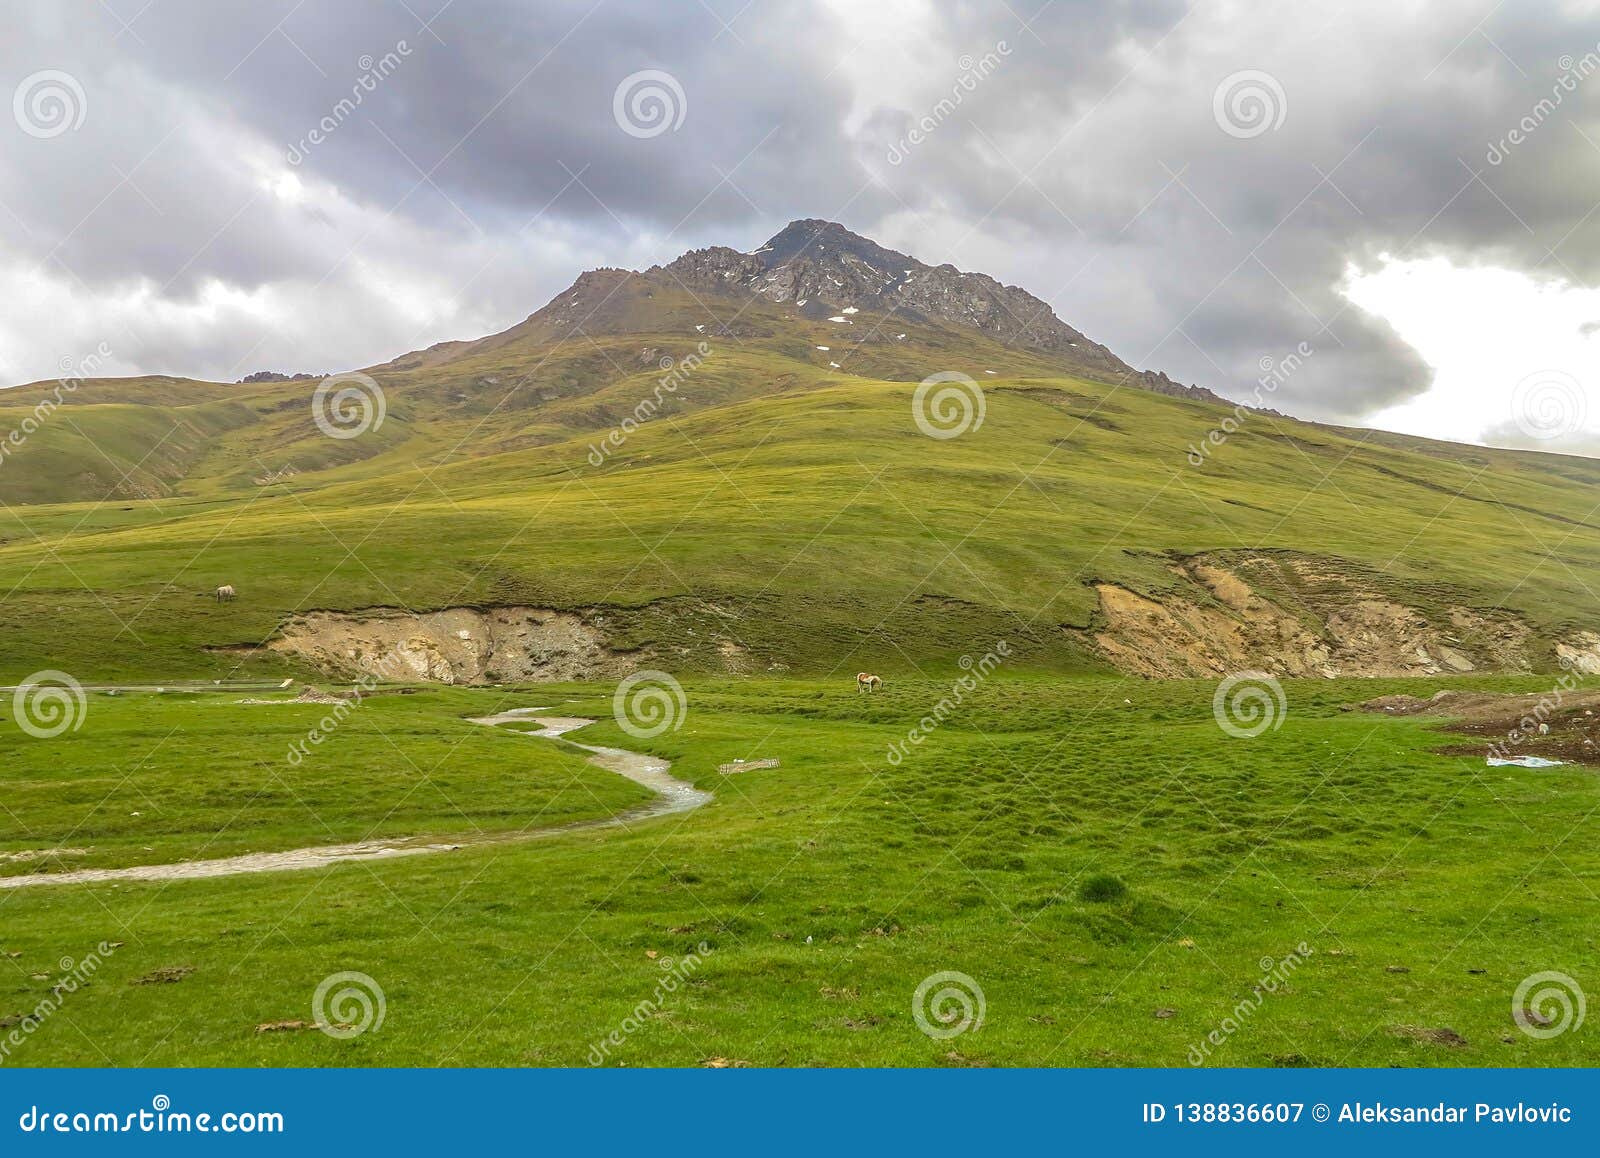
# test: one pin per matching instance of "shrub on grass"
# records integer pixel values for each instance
(1102, 888)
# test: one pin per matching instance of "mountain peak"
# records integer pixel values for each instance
(822, 270)
(813, 237)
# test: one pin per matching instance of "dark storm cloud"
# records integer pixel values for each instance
(499, 102)
(1208, 252)
(1087, 164)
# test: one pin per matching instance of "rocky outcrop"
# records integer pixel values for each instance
(827, 267)
(1581, 653)
(821, 271)
(824, 268)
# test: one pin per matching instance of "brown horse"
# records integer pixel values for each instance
(866, 682)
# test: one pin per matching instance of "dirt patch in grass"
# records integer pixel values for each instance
(1443, 1035)
(25, 855)
(286, 1026)
(1555, 725)
(167, 975)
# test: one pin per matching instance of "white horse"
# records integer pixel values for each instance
(866, 682)
(225, 593)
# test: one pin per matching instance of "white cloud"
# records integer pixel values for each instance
(1484, 330)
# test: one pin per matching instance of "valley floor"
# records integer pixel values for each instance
(1042, 871)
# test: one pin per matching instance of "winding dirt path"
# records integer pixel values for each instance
(672, 795)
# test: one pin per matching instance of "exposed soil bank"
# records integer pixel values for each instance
(1298, 615)
(517, 643)
(459, 645)
(1203, 615)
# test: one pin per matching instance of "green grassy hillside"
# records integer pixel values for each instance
(807, 509)
(115, 439)
(721, 465)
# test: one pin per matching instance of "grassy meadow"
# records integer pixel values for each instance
(1122, 879)
(1109, 867)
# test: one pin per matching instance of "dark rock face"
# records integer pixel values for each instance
(822, 263)
(585, 300)
(823, 269)
(274, 376)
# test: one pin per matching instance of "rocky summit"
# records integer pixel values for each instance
(820, 271)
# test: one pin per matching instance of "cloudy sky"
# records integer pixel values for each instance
(1410, 188)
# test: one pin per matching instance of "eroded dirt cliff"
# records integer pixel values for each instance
(459, 645)
(1303, 616)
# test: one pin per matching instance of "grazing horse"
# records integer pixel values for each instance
(225, 593)
(866, 682)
